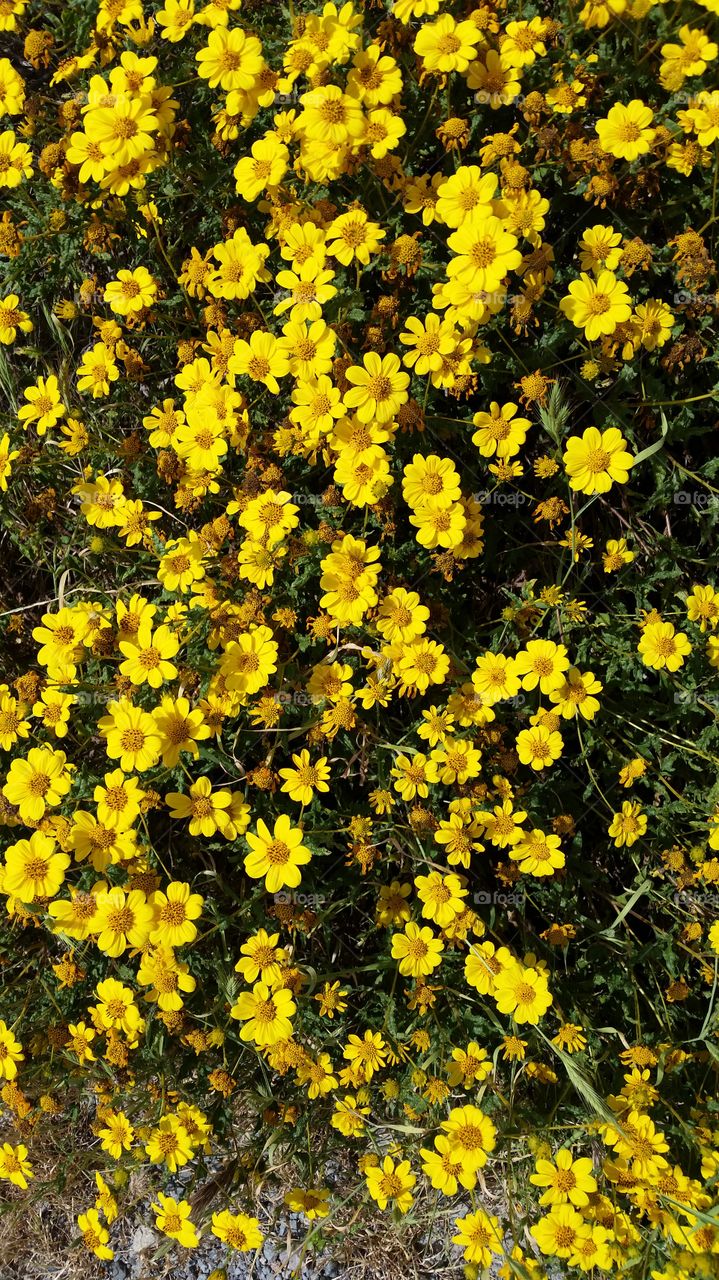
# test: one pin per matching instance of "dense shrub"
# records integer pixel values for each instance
(359, 717)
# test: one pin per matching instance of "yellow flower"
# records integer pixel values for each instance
(523, 41)
(309, 288)
(180, 729)
(616, 555)
(703, 607)
(351, 237)
(167, 976)
(169, 1144)
(557, 1232)
(172, 1217)
(270, 517)
(131, 736)
(305, 779)
(468, 1066)
(539, 746)
(480, 1234)
(313, 1204)
(374, 79)
(653, 322)
(444, 1167)
(331, 1000)
(96, 371)
(80, 1039)
(262, 958)
(378, 389)
(263, 359)
(237, 1230)
(499, 431)
(14, 1165)
(600, 249)
(317, 404)
(118, 800)
(266, 1013)
(122, 920)
(597, 306)
(7, 455)
(596, 460)
(688, 58)
(38, 782)
(44, 408)
(105, 1202)
(13, 319)
(54, 710)
(432, 480)
(241, 266)
(15, 160)
(348, 1116)
(626, 131)
(542, 663)
(627, 826)
(483, 254)
(206, 809)
(276, 855)
(12, 89)
(472, 1136)
(663, 647)
(175, 910)
(366, 1054)
(439, 524)
(446, 45)
(538, 854)
(401, 617)
(576, 695)
(465, 196)
(331, 116)
(175, 19)
(430, 341)
(94, 1235)
(34, 868)
(391, 1183)
(116, 1008)
(147, 656)
(523, 993)
(496, 80)
(263, 168)
(117, 1133)
(567, 1180)
(10, 1053)
(309, 346)
(413, 776)
(181, 564)
(456, 761)
(123, 130)
(131, 291)
(418, 950)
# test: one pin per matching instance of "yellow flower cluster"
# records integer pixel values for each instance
(341, 772)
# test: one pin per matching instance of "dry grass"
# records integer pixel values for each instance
(39, 1239)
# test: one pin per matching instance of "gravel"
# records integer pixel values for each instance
(278, 1259)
